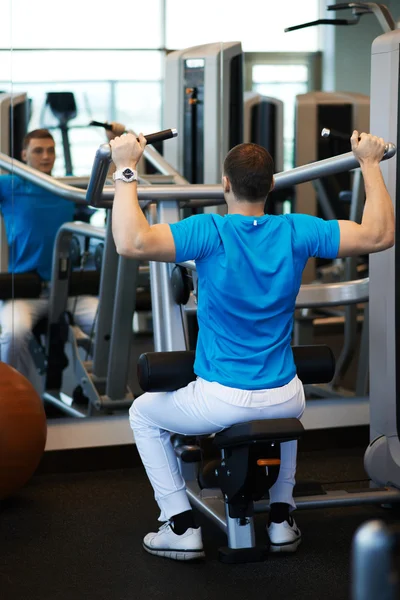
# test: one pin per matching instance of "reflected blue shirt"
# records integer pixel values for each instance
(249, 271)
(32, 217)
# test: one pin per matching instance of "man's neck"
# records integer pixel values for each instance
(246, 209)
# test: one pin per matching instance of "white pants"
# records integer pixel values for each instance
(204, 408)
(18, 317)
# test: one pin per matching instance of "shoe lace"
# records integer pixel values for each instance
(165, 526)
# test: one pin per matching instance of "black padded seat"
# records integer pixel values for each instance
(266, 430)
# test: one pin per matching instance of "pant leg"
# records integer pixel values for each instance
(17, 318)
(194, 410)
(282, 490)
(84, 310)
(153, 416)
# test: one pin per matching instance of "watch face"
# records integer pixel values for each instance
(127, 172)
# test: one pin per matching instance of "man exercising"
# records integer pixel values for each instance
(32, 218)
(249, 267)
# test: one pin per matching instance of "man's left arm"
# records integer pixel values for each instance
(133, 236)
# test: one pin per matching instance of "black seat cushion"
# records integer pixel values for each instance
(279, 430)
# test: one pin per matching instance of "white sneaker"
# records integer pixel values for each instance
(168, 544)
(284, 537)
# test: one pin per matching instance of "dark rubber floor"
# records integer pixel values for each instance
(78, 536)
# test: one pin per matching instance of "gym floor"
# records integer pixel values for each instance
(77, 535)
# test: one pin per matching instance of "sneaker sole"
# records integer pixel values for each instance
(285, 547)
(176, 554)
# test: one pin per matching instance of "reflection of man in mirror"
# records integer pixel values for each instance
(39, 150)
(32, 216)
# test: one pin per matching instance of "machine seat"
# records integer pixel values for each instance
(266, 430)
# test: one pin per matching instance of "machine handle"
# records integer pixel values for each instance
(325, 133)
(151, 138)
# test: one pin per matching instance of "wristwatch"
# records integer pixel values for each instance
(126, 175)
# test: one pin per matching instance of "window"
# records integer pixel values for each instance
(80, 24)
(258, 24)
(104, 90)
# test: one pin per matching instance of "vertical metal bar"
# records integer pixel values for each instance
(59, 277)
(67, 149)
(121, 337)
(113, 103)
(350, 273)
(155, 291)
(239, 535)
(362, 379)
(171, 335)
(106, 302)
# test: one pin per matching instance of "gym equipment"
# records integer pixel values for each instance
(204, 96)
(353, 316)
(105, 125)
(151, 138)
(20, 285)
(373, 567)
(343, 112)
(358, 9)
(23, 430)
(382, 459)
(63, 107)
(263, 125)
(169, 318)
(14, 118)
(68, 374)
(250, 452)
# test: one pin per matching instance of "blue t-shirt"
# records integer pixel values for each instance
(32, 217)
(249, 274)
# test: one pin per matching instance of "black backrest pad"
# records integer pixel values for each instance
(165, 371)
(278, 430)
(20, 285)
(169, 371)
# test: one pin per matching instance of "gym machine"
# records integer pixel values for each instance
(70, 379)
(373, 562)
(382, 458)
(168, 316)
(14, 118)
(226, 489)
(263, 125)
(340, 112)
(204, 97)
(171, 366)
(63, 107)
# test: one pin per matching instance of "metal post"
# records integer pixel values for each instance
(121, 336)
(373, 574)
(107, 291)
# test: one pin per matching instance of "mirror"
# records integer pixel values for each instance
(65, 71)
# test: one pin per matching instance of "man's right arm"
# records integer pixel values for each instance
(376, 231)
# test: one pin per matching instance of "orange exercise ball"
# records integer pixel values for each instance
(23, 430)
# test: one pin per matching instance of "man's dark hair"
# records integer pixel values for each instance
(37, 134)
(250, 169)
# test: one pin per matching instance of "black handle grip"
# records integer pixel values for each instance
(159, 136)
(325, 133)
(101, 124)
(151, 138)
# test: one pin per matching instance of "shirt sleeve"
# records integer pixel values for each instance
(316, 237)
(195, 237)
